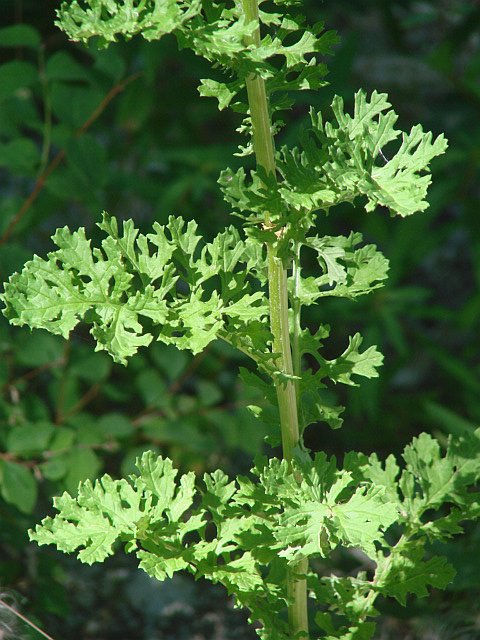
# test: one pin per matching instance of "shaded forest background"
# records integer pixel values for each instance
(124, 130)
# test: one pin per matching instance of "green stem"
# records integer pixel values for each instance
(297, 316)
(297, 327)
(279, 326)
(278, 294)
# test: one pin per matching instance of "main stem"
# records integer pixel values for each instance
(278, 294)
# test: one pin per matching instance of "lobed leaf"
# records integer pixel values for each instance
(316, 528)
(431, 479)
(340, 161)
(345, 159)
(107, 19)
(132, 281)
(408, 573)
(440, 478)
(112, 510)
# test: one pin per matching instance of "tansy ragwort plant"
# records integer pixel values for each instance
(258, 535)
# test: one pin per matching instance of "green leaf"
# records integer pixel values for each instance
(199, 321)
(160, 568)
(73, 105)
(361, 519)
(63, 438)
(15, 76)
(312, 528)
(20, 35)
(352, 361)
(440, 478)
(340, 161)
(335, 271)
(322, 511)
(316, 403)
(83, 19)
(109, 510)
(18, 486)
(219, 492)
(345, 159)
(381, 474)
(131, 281)
(348, 271)
(37, 349)
(56, 468)
(29, 439)
(103, 512)
(61, 66)
(82, 464)
(409, 573)
(250, 307)
(90, 282)
(86, 159)
(363, 631)
(238, 575)
(347, 594)
(446, 527)
(169, 360)
(286, 57)
(91, 367)
(20, 155)
(115, 425)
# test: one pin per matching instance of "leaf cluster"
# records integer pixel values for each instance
(245, 533)
(173, 286)
(163, 277)
(67, 413)
(338, 162)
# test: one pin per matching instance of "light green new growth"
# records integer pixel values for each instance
(257, 534)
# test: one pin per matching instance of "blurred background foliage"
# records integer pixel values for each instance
(124, 130)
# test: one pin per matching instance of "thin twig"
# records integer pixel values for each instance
(33, 373)
(87, 397)
(109, 446)
(24, 619)
(14, 459)
(41, 180)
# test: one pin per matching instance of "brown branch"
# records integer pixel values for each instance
(33, 373)
(58, 158)
(111, 445)
(87, 397)
(194, 364)
(24, 619)
(13, 457)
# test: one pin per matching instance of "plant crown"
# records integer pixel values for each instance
(170, 285)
